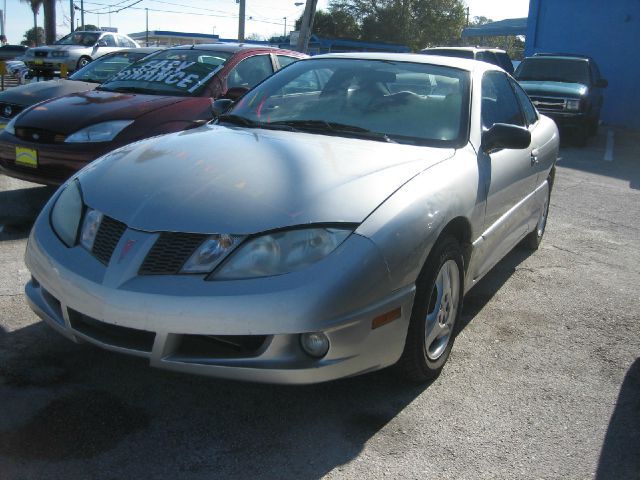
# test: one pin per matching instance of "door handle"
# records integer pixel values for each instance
(534, 157)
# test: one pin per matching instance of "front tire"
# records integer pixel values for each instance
(436, 309)
(83, 62)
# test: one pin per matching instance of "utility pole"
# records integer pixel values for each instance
(82, 14)
(72, 14)
(146, 30)
(241, 21)
(307, 25)
(285, 26)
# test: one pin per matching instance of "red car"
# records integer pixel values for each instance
(165, 92)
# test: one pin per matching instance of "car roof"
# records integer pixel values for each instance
(563, 56)
(467, 49)
(226, 47)
(454, 62)
(139, 50)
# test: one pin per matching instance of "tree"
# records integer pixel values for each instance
(33, 36)
(254, 37)
(417, 23)
(333, 24)
(49, 20)
(514, 45)
(88, 28)
(35, 7)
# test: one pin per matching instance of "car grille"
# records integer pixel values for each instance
(40, 53)
(38, 135)
(107, 238)
(9, 110)
(114, 335)
(170, 252)
(549, 103)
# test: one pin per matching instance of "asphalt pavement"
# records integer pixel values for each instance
(543, 381)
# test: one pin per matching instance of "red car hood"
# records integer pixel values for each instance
(70, 113)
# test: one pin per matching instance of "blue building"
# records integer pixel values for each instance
(608, 31)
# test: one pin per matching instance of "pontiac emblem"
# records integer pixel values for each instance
(35, 136)
(126, 249)
(7, 111)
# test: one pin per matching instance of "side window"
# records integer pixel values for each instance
(108, 40)
(250, 71)
(529, 110)
(283, 60)
(499, 103)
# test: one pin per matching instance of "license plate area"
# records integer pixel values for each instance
(27, 157)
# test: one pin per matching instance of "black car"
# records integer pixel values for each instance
(494, 56)
(567, 88)
(9, 52)
(14, 100)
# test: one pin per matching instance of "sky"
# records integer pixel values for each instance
(263, 17)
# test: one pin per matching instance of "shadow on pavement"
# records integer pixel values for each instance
(625, 164)
(620, 455)
(112, 416)
(19, 209)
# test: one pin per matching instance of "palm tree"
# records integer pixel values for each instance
(35, 7)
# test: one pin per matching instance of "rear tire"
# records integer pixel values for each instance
(436, 310)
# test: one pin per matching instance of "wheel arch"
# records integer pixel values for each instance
(460, 229)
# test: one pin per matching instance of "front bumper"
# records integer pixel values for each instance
(567, 119)
(51, 65)
(170, 319)
(55, 164)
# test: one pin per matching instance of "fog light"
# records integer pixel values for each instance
(315, 344)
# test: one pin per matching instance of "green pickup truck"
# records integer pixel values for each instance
(567, 88)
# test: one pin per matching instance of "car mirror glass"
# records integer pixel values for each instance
(221, 106)
(503, 135)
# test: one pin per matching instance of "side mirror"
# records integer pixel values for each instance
(601, 83)
(221, 106)
(234, 93)
(503, 135)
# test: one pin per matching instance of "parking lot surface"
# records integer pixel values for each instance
(543, 381)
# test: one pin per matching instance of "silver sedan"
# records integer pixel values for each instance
(326, 225)
(75, 50)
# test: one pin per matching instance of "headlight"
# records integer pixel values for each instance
(573, 104)
(281, 252)
(212, 251)
(90, 226)
(59, 54)
(100, 132)
(66, 213)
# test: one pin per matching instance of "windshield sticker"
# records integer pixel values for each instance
(175, 73)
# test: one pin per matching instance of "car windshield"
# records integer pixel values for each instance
(105, 67)
(554, 70)
(384, 100)
(86, 39)
(172, 72)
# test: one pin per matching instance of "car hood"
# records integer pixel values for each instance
(217, 179)
(36, 92)
(554, 88)
(58, 48)
(78, 110)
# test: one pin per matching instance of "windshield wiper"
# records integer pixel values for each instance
(238, 120)
(133, 90)
(323, 126)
